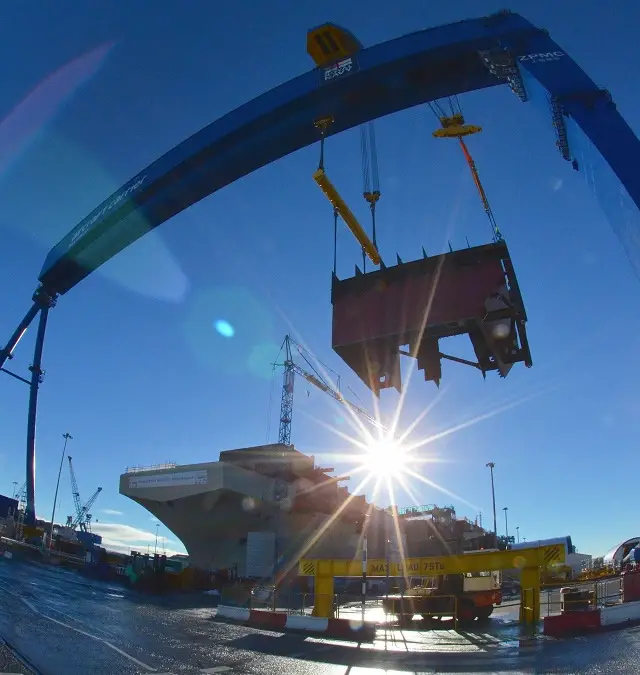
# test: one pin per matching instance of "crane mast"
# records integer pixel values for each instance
(291, 369)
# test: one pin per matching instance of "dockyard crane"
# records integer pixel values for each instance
(21, 495)
(291, 369)
(83, 517)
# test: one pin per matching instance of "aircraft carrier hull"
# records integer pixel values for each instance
(213, 508)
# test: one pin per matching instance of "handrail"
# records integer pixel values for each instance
(152, 467)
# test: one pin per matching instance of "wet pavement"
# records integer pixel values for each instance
(65, 624)
(9, 663)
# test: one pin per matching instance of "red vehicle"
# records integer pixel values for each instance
(471, 596)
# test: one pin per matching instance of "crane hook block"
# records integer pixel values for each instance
(329, 43)
(454, 127)
(473, 291)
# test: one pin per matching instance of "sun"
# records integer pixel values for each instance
(385, 458)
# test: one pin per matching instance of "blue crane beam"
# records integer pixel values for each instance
(388, 77)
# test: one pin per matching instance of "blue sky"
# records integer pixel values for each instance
(135, 370)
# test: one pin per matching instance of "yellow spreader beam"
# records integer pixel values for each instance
(528, 560)
(330, 192)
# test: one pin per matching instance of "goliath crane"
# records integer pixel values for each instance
(291, 369)
(83, 517)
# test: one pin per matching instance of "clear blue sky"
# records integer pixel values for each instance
(135, 370)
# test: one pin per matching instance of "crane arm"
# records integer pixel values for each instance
(337, 396)
(85, 510)
(81, 517)
(93, 498)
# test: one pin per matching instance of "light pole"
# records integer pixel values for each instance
(67, 436)
(518, 534)
(15, 489)
(491, 465)
(506, 521)
(365, 554)
(155, 550)
(388, 561)
(281, 493)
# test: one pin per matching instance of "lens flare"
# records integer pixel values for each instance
(224, 328)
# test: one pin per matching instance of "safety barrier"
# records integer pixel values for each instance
(343, 629)
(580, 607)
(589, 608)
(605, 618)
(580, 597)
(345, 605)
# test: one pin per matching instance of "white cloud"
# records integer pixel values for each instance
(123, 538)
(556, 184)
(112, 512)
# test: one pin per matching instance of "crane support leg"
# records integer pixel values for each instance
(530, 600)
(323, 596)
(36, 379)
(7, 351)
(593, 111)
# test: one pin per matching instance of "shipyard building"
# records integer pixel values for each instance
(266, 503)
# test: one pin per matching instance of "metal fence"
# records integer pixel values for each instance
(304, 603)
(151, 467)
(576, 597)
(348, 605)
(573, 597)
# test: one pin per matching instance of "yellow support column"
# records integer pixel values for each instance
(323, 600)
(530, 596)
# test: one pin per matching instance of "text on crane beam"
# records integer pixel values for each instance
(84, 227)
(542, 57)
(339, 69)
(409, 567)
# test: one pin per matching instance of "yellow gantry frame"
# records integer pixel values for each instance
(528, 560)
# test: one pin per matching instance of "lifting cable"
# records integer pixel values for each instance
(370, 173)
(453, 126)
(335, 241)
(340, 208)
